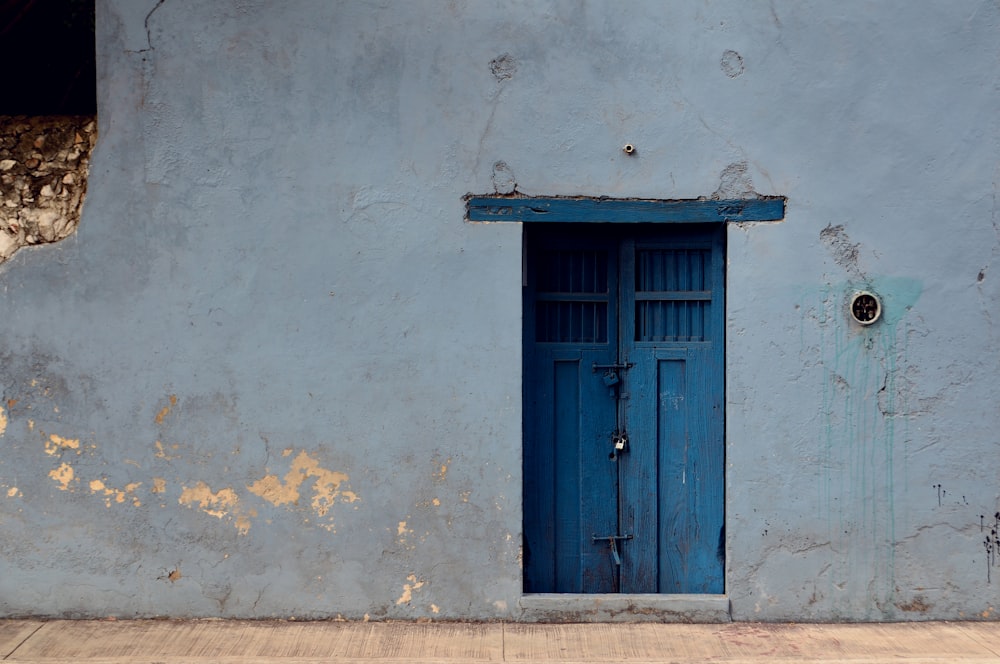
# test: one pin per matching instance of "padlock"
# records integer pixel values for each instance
(610, 378)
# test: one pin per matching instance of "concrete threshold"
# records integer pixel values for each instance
(254, 642)
(562, 608)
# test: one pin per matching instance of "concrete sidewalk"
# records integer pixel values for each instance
(173, 642)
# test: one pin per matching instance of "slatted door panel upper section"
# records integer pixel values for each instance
(571, 300)
(673, 294)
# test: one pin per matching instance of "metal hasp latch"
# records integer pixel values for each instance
(613, 540)
(610, 377)
(619, 366)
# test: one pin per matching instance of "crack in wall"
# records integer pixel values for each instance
(145, 25)
(149, 38)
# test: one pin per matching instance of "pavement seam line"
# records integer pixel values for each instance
(23, 641)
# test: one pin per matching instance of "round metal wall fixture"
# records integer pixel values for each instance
(866, 308)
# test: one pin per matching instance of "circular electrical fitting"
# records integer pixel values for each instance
(866, 308)
(628, 148)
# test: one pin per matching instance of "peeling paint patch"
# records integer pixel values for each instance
(735, 182)
(222, 504)
(56, 444)
(115, 495)
(161, 453)
(435, 608)
(215, 504)
(159, 485)
(408, 589)
(166, 409)
(441, 474)
(14, 492)
(917, 604)
(404, 533)
(63, 475)
(172, 576)
(839, 245)
(326, 487)
(732, 64)
(3, 421)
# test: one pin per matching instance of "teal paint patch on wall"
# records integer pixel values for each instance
(861, 405)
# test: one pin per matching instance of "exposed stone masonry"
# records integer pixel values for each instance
(44, 162)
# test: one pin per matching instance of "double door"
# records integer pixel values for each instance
(623, 408)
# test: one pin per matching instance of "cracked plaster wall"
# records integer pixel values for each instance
(274, 372)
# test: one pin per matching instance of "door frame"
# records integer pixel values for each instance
(519, 209)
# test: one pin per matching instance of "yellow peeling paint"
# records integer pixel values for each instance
(56, 444)
(166, 409)
(63, 475)
(401, 528)
(13, 492)
(442, 473)
(436, 502)
(326, 487)
(217, 504)
(220, 504)
(242, 522)
(3, 421)
(159, 485)
(31, 425)
(287, 452)
(408, 589)
(435, 609)
(115, 495)
(162, 454)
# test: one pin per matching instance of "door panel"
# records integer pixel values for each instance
(623, 335)
(569, 415)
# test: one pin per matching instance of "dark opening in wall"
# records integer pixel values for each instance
(47, 51)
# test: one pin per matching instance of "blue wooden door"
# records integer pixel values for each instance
(623, 409)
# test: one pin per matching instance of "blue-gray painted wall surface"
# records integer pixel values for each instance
(276, 373)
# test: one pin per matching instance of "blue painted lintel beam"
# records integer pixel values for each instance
(620, 210)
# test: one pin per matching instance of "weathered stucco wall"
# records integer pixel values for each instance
(274, 372)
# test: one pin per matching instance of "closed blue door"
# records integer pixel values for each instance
(623, 409)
